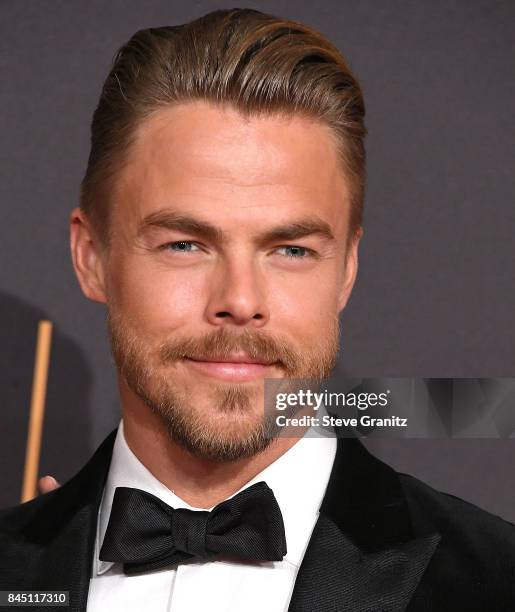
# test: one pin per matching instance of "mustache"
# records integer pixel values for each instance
(221, 343)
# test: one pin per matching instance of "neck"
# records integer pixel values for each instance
(201, 483)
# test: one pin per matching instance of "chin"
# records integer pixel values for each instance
(231, 423)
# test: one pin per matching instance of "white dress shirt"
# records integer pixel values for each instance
(298, 479)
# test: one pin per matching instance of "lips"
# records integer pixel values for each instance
(236, 367)
(234, 358)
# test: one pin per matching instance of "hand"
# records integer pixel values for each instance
(47, 484)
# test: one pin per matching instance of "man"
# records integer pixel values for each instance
(220, 220)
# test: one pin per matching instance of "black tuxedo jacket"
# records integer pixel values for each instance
(383, 542)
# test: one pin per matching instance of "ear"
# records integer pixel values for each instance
(88, 257)
(350, 269)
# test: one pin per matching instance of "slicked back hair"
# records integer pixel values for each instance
(252, 61)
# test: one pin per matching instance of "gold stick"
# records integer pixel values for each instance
(37, 411)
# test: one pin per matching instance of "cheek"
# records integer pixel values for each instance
(157, 299)
(304, 307)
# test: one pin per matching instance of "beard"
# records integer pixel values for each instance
(229, 429)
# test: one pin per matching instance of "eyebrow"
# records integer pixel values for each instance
(166, 219)
(298, 229)
(170, 220)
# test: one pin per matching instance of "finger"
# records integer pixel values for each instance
(47, 484)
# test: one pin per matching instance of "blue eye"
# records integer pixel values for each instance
(296, 252)
(181, 246)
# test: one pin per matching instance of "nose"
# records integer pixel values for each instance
(238, 296)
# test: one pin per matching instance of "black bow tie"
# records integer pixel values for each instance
(145, 534)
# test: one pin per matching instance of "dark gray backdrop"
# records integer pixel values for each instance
(435, 295)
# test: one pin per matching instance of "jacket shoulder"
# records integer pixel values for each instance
(14, 519)
(455, 516)
(475, 558)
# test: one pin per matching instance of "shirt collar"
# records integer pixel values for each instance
(298, 479)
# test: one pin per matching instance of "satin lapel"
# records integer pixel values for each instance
(62, 532)
(365, 555)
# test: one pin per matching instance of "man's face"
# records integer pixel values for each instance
(227, 266)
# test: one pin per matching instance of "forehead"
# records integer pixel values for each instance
(214, 161)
